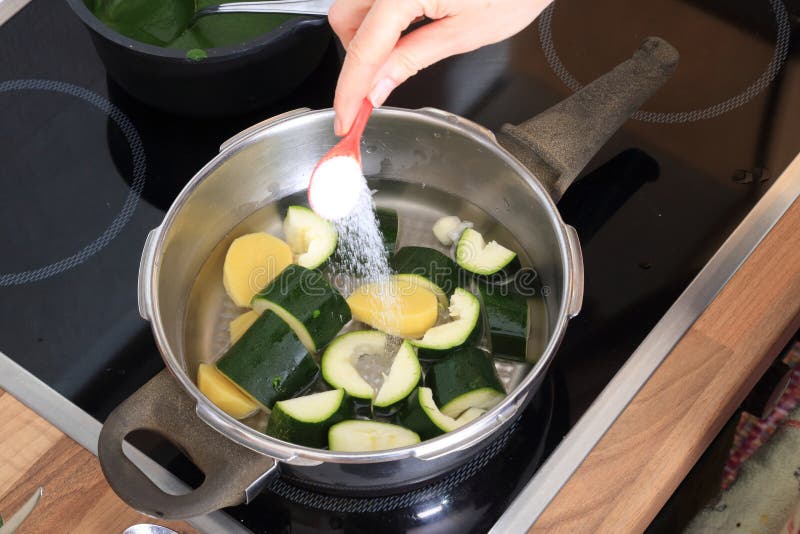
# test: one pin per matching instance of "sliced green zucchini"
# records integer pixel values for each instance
(465, 379)
(445, 227)
(507, 320)
(431, 264)
(305, 300)
(389, 226)
(421, 415)
(404, 375)
(479, 257)
(306, 420)
(470, 415)
(340, 358)
(342, 355)
(269, 362)
(311, 238)
(369, 436)
(465, 311)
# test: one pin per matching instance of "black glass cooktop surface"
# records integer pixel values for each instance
(88, 171)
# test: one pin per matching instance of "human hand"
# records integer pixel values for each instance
(379, 59)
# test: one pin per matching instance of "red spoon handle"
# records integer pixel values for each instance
(349, 146)
(360, 122)
(351, 142)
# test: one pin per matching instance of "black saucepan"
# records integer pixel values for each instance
(231, 80)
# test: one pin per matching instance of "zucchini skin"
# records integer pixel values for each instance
(284, 427)
(506, 320)
(388, 224)
(431, 264)
(351, 424)
(269, 362)
(307, 296)
(474, 338)
(336, 355)
(388, 408)
(495, 273)
(300, 211)
(391, 410)
(465, 370)
(414, 417)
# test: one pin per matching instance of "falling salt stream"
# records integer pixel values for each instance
(362, 258)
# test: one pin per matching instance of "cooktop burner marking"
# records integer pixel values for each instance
(767, 77)
(342, 504)
(131, 200)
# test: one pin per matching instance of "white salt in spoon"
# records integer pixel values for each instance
(337, 181)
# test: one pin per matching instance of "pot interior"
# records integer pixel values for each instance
(422, 166)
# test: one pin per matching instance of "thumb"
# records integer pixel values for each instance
(415, 51)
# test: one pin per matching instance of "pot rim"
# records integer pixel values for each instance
(459, 439)
(177, 54)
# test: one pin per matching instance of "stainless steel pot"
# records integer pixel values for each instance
(426, 162)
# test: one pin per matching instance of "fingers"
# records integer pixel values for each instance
(345, 17)
(467, 26)
(378, 59)
(367, 51)
(414, 52)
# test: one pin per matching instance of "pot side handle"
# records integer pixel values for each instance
(558, 143)
(231, 471)
(146, 274)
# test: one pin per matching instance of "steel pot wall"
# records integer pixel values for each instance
(514, 177)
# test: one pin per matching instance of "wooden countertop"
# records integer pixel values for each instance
(636, 466)
(76, 496)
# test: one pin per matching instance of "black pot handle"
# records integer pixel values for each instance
(232, 473)
(558, 143)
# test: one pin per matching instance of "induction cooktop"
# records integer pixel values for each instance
(88, 171)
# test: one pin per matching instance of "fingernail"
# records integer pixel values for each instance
(380, 92)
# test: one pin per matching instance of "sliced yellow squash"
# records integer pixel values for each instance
(240, 325)
(399, 306)
(251, 263)
(224, 393)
